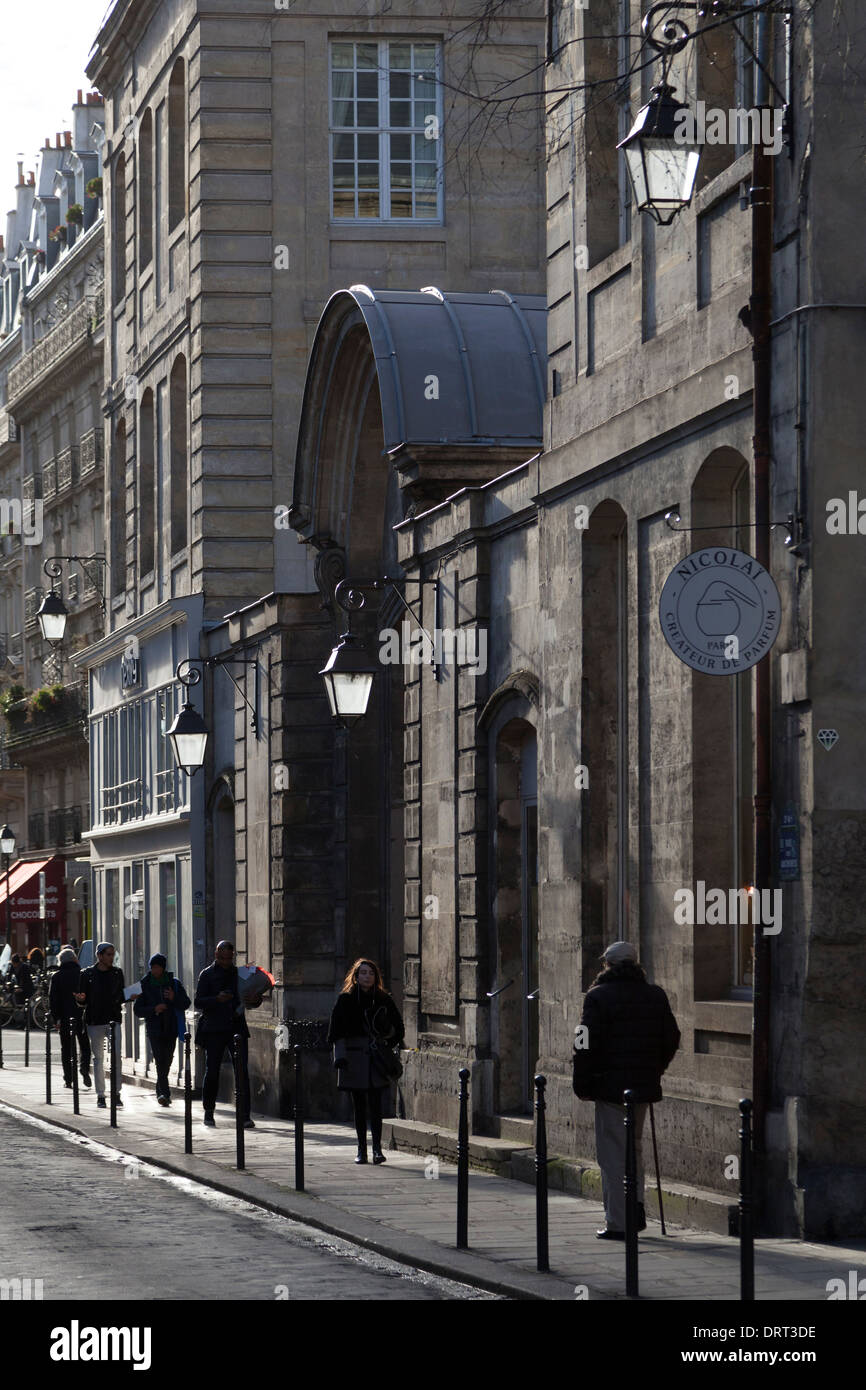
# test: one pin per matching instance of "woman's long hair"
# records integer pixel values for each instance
(351, 980)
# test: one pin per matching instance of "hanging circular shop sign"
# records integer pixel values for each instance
(720, 611)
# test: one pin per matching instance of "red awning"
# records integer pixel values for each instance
(24, 890)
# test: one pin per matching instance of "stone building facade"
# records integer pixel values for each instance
(592, 778)
(52, 302)
(651, 409)
(255, 163)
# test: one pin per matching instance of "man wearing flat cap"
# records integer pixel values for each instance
(630, 1037)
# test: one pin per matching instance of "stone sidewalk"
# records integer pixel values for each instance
(406, 1208)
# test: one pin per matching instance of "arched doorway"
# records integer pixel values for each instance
(604, 736)
(514, 890)
(224, 915)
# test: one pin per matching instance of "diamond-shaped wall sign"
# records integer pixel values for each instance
(827, 737)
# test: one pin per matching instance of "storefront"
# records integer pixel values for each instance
(25, 925)
(146, 835)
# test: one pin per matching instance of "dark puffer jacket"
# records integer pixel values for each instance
(633, 1036)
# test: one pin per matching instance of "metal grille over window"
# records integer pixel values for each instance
(385, 131)
(133, 752)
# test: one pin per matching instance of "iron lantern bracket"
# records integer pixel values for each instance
(193, 675)
(53, 568)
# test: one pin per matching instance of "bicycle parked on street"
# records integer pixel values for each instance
(13, 1010)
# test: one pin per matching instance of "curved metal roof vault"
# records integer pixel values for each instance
(456, 369)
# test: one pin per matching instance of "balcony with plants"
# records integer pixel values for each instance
(42, 716)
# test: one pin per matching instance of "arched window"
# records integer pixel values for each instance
(144, 190)
(177, 181)
(118, 230)
(603, 736)
(145, 485)
(179, 471)
(722, 845)
(224, 860)
(512, 743)
(117, 516)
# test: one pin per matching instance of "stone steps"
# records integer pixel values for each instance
(512, 1157)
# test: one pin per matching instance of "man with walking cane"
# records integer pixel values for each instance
(626, 1039)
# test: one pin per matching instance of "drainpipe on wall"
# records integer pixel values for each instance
(761, 200)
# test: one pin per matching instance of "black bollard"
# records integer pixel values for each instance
(239, 1105)
(112, 1076)
(463, 1163)
(73, 1053)
(299, 1119)
(27, 1032)
(747, 1232)
(187, 1095)
(543, 1256)
(631, 1279)
(1, 1049)
(48, 1059)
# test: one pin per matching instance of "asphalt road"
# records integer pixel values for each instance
(93, 1224)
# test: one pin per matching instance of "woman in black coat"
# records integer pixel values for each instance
(364, 1013)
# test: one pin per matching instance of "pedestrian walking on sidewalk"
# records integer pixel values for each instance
(365, 1030)
(65, 1010)
(631, 1036)
(21, 973)
(161, 1004)
(222, 1015)
(101, 996)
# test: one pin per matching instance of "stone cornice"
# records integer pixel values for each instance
(148, 624)
(119, 34)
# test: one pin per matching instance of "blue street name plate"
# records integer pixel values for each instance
(789, 845)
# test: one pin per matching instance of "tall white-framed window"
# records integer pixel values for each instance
(385, 104)
(134, 771)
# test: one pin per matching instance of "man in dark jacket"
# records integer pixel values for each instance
(161, 1004)
(101, 996)
(23, 976)
(222, 1015)
(65, 984)
(626, 1040)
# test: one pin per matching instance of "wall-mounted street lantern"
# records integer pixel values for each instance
(7, 849)
(662, 164)
(189, 733)
(348, 676)
(349, 671)
(661, 168)
(52, 612)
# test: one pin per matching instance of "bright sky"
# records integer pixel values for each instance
(42, 56)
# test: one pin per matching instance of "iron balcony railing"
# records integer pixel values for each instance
(8, 427)
(67, 467)
(49, 479)
(32, 600)
(122, 802)
(90, 453)
(64, 825)
(72, 329)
